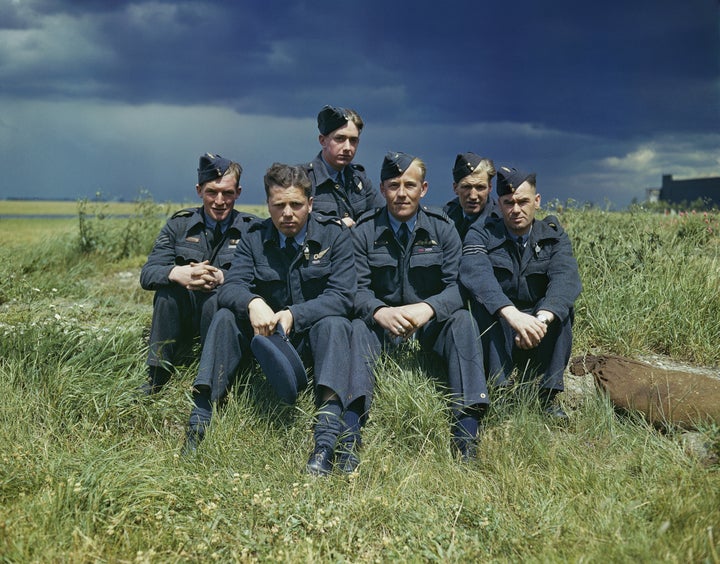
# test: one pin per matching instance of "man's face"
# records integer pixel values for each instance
(403, 193)
(473, 192)
(519, 208)
(339, 146)
(219, 196)
(289, 209)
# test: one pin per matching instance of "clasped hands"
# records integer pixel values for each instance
(402, 321)
(197, 276)
(529, 330)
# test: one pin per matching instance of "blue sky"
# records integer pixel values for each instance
(600, 99)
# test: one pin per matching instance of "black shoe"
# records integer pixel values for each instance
(320, 461)
(466, 449)
(346, 458)
(550, 405)
(157, 378)
(556, 413)
(193, 438)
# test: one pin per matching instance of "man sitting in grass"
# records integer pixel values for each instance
(472, 184)
(188, 263)
(523, 280)
(407, 261)
(294, 272)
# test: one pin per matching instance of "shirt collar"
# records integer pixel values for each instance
(299, 238)
(332, 173)
(395, 223)
(210, 223)
(520, 239)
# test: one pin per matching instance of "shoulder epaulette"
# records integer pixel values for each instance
(255, 224)
(184, 213)
(328, 219)
(437, 212)
(552, 221)
(248, 217)
(370, 214)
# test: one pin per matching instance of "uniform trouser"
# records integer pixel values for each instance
(547, 361)
(179, 315)
(326, 343)
(456, 341)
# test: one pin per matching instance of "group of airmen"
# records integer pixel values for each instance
(341, 273)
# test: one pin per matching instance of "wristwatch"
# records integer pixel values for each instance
(543, 318)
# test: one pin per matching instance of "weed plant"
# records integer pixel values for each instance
(90, 472)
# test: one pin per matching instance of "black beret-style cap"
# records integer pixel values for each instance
(331, 118)
(465, 163)
(510, 179)
(212, 167)
(395, 164)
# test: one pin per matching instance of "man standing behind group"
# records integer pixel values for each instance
(294, 270)
(524, 280)
(407, 261)
(188, 263)
(340, 188)
(472, 184)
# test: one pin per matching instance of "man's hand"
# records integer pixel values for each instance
(529, 330)
(285, 318)
(403, 321)
(262, 317)
(197, 276)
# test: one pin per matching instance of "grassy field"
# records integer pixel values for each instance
(88, 473)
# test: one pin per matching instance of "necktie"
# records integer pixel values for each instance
(520, 245)
(403, 235)
(217, 235)
(290, 248)
(340, 179)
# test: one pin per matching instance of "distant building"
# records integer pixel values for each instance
(686, 191)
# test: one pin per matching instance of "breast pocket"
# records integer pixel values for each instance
(314, 279)
(187, 252)
(426, 275)
(503, 267)
(383, 273)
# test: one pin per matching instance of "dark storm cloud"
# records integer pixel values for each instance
(608, 68)
(599, 98)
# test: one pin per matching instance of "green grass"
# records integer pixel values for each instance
(87, 473)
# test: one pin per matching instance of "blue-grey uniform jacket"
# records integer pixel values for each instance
(183, 240)
(352, 200)
(454, 211)
(320, 281)
(426, 272)
(545, 277)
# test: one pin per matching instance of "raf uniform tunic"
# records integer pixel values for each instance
(317, 286)
(426, 271)
(454, 211)
(180, 314)
(351, 200)
(543, 276)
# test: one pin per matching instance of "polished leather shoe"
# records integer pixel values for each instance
(157, 378)
(556, 413)
(466, 449)
(192, 442)
(320, 461)
(469, 453)
(347, 461)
